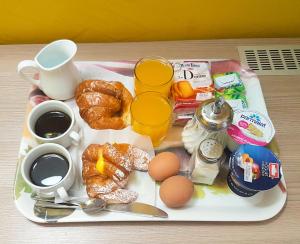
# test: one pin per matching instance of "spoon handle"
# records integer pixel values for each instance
(46, 204)
(52, 200)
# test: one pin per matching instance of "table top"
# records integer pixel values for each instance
(282, 95)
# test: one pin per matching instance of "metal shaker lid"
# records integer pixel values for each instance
(214, 114)
(211, 151)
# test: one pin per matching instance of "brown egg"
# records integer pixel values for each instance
(176, 191)
(164, 165)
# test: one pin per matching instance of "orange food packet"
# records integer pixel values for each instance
(192, 85)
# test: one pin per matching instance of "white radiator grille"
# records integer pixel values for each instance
(271, 60)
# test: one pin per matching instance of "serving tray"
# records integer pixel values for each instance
(209, 203)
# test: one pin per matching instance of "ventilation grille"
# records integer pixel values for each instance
(271, 60)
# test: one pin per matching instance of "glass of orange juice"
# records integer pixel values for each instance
(153, 74)
(151, 115)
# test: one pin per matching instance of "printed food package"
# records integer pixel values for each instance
(228, 76)
(192, 85)
(249, 127)
(230, 86)
(253, 169)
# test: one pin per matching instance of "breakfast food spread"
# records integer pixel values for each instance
(106, 168)
(164, 165)
(176, 191)
(209, 98)
(104, 104)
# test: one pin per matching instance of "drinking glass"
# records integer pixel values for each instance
(153, 74)
(151, 115)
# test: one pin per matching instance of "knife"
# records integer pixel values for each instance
(134, 208)
(137, 208)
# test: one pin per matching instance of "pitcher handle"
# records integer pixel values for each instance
(28, 64)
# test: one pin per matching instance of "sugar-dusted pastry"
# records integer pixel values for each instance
(113, 164)
(104, 104)
(137, 156)
(106, 169)
(98, 185)
(119, 154)
(97, 86)
(120, 196)
(140, 159)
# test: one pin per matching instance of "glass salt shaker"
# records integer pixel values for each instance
(210, 120)
(207, 160)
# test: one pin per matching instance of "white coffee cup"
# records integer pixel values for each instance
(60, 189)
(58, 76)
(69, 137)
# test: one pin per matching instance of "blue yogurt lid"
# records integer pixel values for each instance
(255, 167)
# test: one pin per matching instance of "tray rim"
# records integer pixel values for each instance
(145, 219)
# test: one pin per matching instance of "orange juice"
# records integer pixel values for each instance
(151, 115)
(153, 74)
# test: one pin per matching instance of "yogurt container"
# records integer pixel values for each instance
(253, 169)
(249, 127)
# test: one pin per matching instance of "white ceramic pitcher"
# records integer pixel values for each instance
(58, 76)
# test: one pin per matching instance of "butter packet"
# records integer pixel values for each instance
(230, 86)
(192, 85)
(227, 80)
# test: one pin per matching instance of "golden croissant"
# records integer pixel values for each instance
(104, 104)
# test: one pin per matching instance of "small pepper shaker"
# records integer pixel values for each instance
(210, 120)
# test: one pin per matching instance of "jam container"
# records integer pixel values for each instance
(253, 169)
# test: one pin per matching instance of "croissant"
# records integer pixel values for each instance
(119, 161)
(114, 171)
(104, 104)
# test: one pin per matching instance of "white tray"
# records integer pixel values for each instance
(209, 203)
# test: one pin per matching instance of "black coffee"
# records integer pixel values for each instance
(52, 124)
(49, 169)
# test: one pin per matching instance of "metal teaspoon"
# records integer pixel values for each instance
(94, 206)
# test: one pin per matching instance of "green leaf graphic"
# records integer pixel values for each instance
(20, 184)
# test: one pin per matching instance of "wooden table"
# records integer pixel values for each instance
(282, 94)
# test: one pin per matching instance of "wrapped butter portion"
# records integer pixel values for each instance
(230, 86)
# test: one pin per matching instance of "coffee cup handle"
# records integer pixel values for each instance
(28, 64)
(75, 138)
(63, 193)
